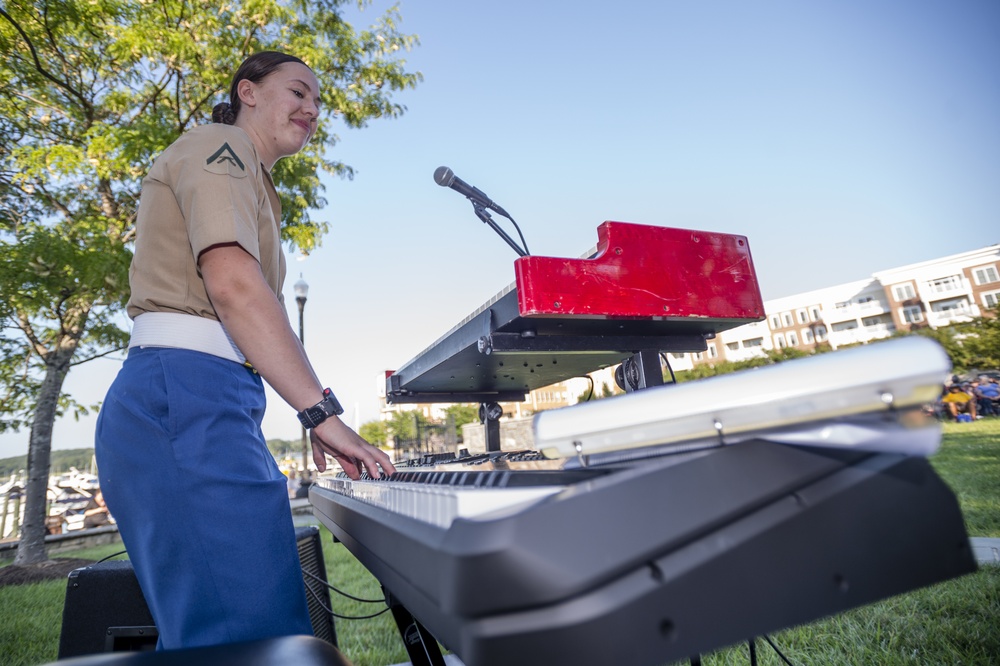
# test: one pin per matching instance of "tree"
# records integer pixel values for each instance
(769, 357)
(90, 92)
(980, 339)
(404, 424)
(462, 414)
(376, 432)
(283, 448)
(950, 339)
(786, 354)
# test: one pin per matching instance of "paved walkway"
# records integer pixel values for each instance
(986, 550)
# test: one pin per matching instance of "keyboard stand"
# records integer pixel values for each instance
(639, 371)
(421, 646)
(489, 416)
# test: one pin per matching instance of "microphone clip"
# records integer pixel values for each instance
(487, 219)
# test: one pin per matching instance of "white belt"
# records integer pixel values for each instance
(183, 331)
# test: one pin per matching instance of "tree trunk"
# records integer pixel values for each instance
(31, 547)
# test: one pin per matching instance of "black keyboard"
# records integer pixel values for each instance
(649, 562)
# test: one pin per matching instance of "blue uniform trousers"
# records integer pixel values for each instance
(200, 503)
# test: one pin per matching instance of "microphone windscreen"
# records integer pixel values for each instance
(444, 176)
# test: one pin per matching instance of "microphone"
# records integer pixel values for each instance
(445, 177)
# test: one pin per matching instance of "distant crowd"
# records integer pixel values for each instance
(968, 401)
(298, 487)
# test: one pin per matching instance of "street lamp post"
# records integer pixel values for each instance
(301, 289)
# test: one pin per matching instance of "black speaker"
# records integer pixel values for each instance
(314, 577)
(105, 611)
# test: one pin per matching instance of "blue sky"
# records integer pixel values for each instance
(841, 138)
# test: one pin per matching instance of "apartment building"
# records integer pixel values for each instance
(935, 293)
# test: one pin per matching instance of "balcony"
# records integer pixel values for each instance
(738, 355)
(950, 316)
(942, 289)
(879, 330)
(853, 311)
(863, 334)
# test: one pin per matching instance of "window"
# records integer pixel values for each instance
(803, 317)
(775, 322)
(787, 318)
(871, 321)
(679, 357)
(732, 346)
(912, 314)
(985, 274)
(792, 339)
(846, 325)
(991, 299)
(754, 342)
(820, 333)
(904, 292)
(814, 314)
(712, 352)
(779, 341)
(807, 336)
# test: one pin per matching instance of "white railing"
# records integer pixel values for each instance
(852, 311)
(953, 316)
(936, 291)
(744, 354)
(880, 330)
(855, 335)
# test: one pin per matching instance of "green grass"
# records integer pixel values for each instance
(370, 642)
(969, 462)
(954, 622)
(31, 615)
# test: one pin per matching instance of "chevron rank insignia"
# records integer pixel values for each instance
(225, 161)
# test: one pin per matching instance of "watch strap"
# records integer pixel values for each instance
(321, 411)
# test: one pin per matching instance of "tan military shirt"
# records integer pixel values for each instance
(208, 188)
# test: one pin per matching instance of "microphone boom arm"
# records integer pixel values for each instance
(485, 216)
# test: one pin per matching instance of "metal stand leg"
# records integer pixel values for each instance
(421, 646)
(640, 371)
(489, 416)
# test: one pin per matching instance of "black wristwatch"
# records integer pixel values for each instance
(321, 411)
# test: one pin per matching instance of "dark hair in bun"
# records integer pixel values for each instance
(223, 113)
(254, 69)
